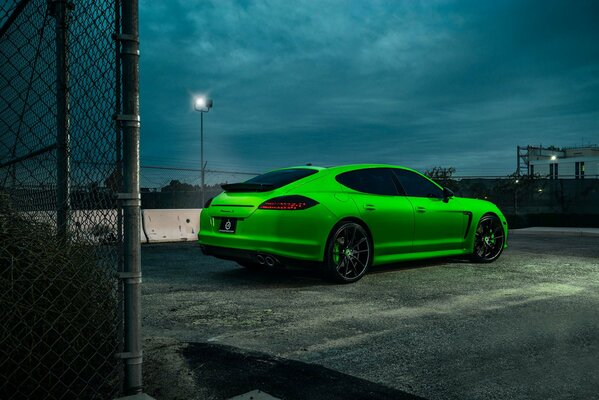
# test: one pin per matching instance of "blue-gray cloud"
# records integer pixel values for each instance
(332, 82)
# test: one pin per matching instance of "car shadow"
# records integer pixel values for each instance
(303, 277)
(273, 277)
(408, 265)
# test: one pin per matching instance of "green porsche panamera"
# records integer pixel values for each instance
(346, 219)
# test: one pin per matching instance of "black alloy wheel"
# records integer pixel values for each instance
(489, 239)
(349, 253)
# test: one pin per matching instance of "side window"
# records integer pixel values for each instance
(416, 185)
(372, 180)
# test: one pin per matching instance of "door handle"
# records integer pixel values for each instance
(369, 207)
(421, 209)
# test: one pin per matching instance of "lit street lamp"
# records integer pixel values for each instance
(202, 104)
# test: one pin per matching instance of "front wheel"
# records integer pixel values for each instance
(349, 253)
(489, 239)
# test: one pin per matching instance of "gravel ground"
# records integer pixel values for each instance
(524, 327)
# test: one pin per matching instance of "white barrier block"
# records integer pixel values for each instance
(171, 225)
(94, 226)
(89, 226)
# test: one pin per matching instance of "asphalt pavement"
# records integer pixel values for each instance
(523, 327)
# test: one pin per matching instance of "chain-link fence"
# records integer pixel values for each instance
(172, 187)
(60, 222)
(523, 195)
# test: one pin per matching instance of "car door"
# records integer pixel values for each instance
(438, 224)
(389, 216)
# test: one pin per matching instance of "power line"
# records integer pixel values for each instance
(197, 170)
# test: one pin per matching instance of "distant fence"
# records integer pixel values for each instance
(538, 196)
(171, 187)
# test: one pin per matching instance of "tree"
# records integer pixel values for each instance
(178, 186)
(519, 186)
(443, 176)
(114, 180)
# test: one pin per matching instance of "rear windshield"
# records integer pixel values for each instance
(282, 177)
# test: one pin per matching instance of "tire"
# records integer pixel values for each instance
(489, 239)
(348, 253)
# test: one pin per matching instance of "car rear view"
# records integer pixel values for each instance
(261, 221)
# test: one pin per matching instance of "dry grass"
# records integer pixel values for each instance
(59, 330)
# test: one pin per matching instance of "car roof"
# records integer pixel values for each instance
(348, 167)
(352, 167)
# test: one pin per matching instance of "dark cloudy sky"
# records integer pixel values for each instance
(415, 83)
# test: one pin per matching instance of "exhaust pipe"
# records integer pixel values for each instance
(260, 259)
(270, 261)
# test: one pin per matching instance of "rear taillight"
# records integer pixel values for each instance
(288, 203)
(207, 204)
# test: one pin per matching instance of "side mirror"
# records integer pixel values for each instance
(447, 194)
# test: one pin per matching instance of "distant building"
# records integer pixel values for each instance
(552, 162)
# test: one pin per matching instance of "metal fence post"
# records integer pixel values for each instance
(60, 10)
(130, 123)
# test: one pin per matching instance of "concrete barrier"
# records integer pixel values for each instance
(87, 226)
(99, 226)
(94, 226)
(171, 225)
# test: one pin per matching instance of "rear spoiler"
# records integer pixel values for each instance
(248, 187)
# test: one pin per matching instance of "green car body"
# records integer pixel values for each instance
(400, 227)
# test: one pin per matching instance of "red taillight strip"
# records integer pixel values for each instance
(288, 203)
(283, 206)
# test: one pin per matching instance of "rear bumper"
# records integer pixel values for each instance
(291, 235)
(240, 255)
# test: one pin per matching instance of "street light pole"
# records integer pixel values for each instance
(202, 153)
(202, 104)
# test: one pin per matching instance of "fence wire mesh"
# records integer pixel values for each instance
(172, 187)
(175, 187)
(59, 292)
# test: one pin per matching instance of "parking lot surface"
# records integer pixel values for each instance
(524, 327)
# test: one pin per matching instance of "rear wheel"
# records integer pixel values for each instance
(489, 239)
(349, 253)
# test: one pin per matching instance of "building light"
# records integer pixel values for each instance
(554, 157)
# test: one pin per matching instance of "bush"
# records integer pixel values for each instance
(59, 331)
